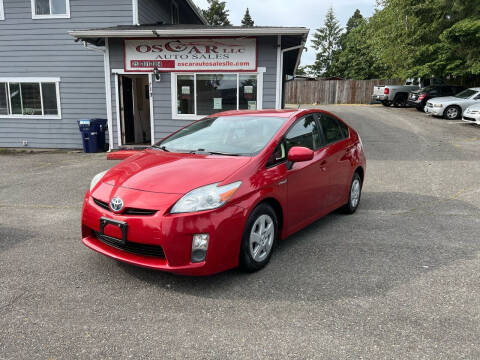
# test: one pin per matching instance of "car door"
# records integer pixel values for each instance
(307, 182)
(336, 159)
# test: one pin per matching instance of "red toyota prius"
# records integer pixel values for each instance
(222, 191)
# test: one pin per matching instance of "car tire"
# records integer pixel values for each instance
(386, 103)
(452, 112)
(421, 108)
(354, 195)
(400, 100)
(259, 238)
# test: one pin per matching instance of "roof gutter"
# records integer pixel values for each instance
(84, 34)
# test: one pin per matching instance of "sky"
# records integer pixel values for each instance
(307, 13)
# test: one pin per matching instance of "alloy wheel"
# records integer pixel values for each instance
(452, 113)
(355, 193)
(261, 238)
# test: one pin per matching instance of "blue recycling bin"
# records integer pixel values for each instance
(93, 134)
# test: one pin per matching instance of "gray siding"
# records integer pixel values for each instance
(162, 108)
(154, 11)
(267, 57)
(42, 48)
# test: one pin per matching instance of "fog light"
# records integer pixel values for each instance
(199, 247)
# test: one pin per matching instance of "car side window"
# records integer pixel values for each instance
(303, 133)
(333, 130)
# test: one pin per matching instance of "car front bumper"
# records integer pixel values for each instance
(471, 118)
(170, 234)
(436, 111)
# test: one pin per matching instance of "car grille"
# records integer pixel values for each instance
(469, 118)
(128, 211)
(132, 247)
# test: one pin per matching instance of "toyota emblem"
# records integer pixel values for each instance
(116, 204)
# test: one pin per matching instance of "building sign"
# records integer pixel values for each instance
(221, 54)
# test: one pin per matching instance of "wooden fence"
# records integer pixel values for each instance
(333, 91)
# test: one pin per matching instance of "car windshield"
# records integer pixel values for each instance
(224, 135)
(465, 94)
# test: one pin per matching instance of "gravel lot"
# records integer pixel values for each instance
(399, 279)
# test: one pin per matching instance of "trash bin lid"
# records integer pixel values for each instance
(84, 122)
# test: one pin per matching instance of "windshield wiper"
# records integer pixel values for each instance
(221, 153)
(203, 151)
(161, 148)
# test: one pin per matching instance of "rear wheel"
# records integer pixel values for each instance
(400, 100)
(452, 112)
(354, 195)
(259, 238)
(421, 108)
(386, 103)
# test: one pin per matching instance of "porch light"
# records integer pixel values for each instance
(156, 73)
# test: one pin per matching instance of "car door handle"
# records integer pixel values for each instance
(284, 181)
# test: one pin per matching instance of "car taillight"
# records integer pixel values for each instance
(386, 91)
(422, 96)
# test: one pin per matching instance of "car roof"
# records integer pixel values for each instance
(271, 112)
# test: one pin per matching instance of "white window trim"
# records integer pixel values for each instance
(40, 80)
(51, 16)
(2, 11)
(195, 116)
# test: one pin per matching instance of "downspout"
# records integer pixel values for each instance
(108, 90)
(301, 46)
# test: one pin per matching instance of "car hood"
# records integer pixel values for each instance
(447, 99)
(173, 173)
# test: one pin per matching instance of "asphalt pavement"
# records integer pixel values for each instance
(400, 279)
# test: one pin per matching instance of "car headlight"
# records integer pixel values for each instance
(205, 198)
(437, 105)
(96, 179)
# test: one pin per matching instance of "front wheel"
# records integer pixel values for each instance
(452, 112)
(259, 238)
(354, 195)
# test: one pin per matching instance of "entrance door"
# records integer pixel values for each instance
(134, 104)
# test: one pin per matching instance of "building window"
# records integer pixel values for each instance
(48, 9)
(2, 13)
(174, 13)
(205, 94)
(29, 98)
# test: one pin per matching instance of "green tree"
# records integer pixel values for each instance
(340, 66)
(247, 19)
(216, 14)
(326, 42)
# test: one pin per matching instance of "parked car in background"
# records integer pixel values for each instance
(451, 107)
(472, 114)
(397, 95)
(220, 192)
(418, 98)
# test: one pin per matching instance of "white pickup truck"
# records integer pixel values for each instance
(397, 95)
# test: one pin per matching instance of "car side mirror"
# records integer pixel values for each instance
(299, 154)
